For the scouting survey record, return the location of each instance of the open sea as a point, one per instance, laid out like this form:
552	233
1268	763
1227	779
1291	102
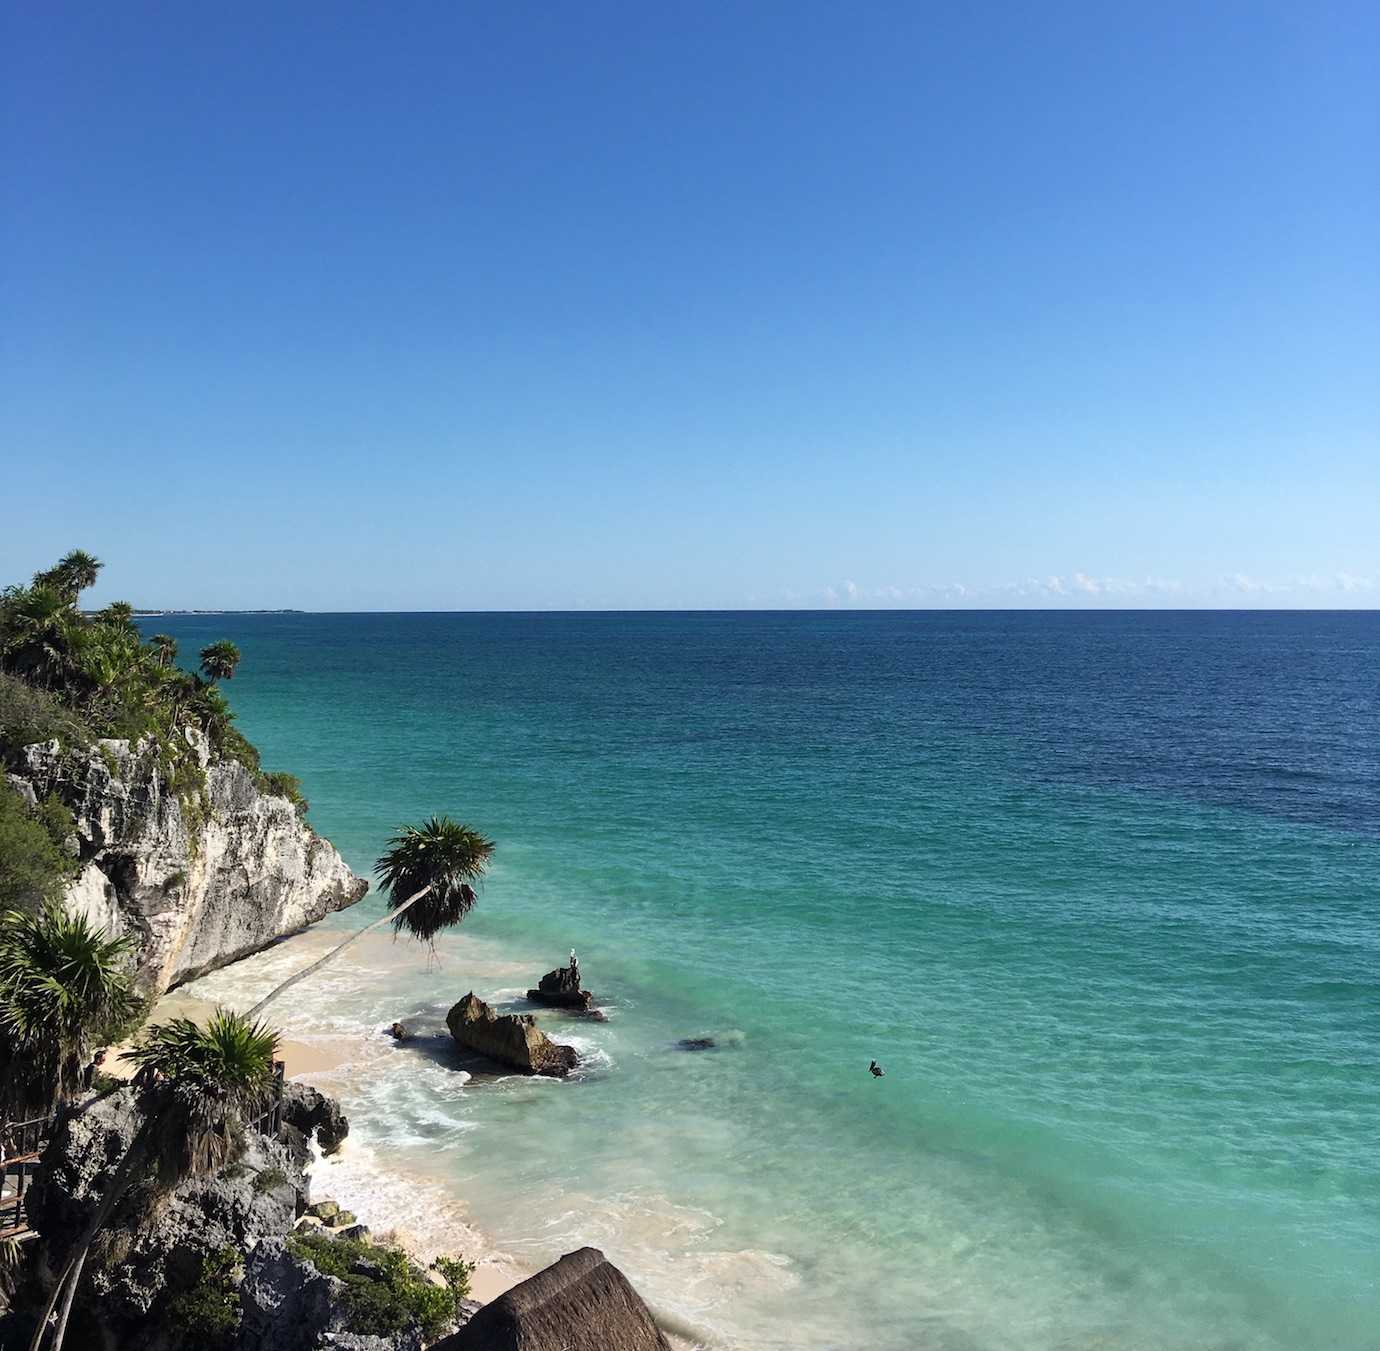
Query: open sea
1100	891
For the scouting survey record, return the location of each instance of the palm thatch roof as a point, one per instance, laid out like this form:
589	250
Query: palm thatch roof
581	1303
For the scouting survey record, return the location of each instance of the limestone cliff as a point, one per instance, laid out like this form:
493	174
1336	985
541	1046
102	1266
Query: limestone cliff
200	873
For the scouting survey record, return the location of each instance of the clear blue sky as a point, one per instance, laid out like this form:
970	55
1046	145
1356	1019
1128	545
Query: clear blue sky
463	305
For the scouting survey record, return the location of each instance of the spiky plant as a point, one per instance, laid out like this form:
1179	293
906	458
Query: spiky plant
442	858
62	982
203	1085
219	660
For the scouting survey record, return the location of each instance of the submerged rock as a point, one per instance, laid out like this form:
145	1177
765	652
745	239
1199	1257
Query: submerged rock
696	1044
198	875
510	1038
561	989
399	1032
581	1303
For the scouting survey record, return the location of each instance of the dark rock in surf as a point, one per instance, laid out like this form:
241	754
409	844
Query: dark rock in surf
511	1039
560	989
307	1109
581	1303
696	1044
399	1032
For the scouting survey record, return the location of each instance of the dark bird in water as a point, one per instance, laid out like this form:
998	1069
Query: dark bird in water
876	1070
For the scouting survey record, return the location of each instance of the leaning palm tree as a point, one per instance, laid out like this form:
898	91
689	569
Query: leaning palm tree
199	1088
164	648
429	871
219	660
62	981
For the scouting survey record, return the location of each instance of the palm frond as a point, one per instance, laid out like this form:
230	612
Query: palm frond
441	854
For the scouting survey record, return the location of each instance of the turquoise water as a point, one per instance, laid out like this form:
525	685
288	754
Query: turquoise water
1099	892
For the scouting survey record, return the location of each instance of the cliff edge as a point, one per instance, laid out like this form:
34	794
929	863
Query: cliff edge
201	872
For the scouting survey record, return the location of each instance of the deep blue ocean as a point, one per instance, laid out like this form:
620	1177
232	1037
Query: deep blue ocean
1100	891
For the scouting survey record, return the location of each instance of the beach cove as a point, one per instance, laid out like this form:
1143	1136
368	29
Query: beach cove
1092	888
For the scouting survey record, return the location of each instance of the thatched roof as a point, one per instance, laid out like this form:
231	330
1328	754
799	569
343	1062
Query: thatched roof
581	1303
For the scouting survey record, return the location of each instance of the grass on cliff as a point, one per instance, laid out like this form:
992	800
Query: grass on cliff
76	678
384	1293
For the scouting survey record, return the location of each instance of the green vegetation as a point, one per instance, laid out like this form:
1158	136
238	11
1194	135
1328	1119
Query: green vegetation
384	1293
428	871
206	1317
34	866
269	1179
205	1084
61	982
198	1089
441	858
77	678
288	786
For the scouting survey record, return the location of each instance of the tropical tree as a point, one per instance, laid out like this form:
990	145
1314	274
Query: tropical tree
119	614
72	574
429	872
219	660
207	1084
164	648
38	628
199	1088
62	981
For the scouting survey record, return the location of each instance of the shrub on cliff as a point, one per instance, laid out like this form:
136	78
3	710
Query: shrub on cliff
207	1316
384	1293
34	867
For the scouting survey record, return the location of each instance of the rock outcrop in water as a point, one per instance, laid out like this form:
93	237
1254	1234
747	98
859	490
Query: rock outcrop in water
200	877
581	1303
561	989
510	1038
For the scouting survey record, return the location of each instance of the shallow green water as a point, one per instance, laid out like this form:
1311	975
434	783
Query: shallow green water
1099	891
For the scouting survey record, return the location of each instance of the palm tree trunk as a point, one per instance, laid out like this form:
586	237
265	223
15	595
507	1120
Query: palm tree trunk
71	1274
335	951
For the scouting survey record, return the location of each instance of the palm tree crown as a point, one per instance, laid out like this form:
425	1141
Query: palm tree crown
61	982
205	1084
441	855
219	660
72	574
164	648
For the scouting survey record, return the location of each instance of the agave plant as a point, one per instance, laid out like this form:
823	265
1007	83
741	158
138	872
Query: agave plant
62	981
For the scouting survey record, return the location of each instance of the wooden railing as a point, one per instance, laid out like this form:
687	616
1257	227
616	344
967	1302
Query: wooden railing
22	1144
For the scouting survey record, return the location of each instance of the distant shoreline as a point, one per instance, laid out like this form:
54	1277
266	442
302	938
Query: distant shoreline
150	614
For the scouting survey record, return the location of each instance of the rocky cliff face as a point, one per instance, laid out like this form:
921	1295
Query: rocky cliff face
200	875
